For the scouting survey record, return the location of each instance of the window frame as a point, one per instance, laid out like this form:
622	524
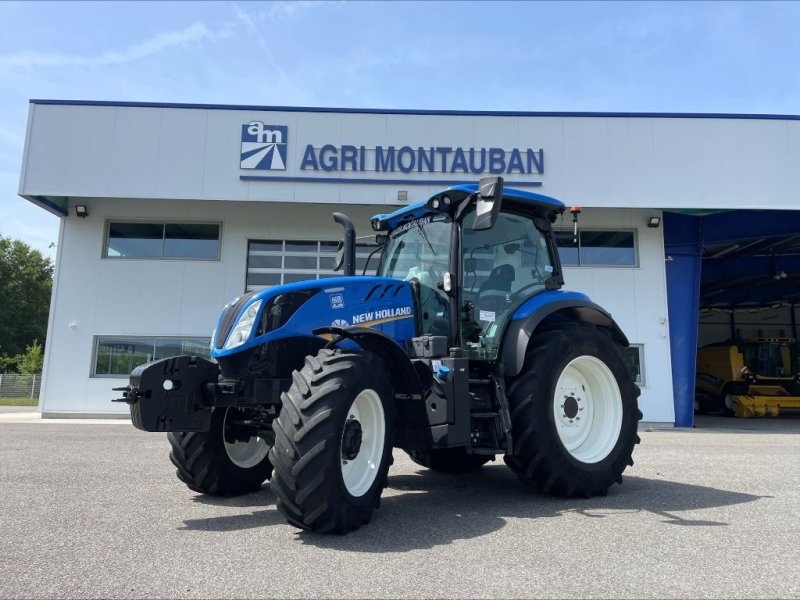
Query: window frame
163	222
96	346
580	265
642	383
363	250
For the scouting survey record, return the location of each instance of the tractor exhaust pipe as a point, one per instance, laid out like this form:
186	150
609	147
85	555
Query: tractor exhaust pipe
347	253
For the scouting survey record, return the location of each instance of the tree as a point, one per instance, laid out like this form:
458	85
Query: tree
33	359
26	280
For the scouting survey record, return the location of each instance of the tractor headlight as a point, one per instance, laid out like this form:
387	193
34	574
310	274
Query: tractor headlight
244	326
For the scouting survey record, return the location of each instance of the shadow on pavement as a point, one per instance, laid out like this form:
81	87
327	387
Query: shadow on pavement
787	422
456	507
263	499
464	507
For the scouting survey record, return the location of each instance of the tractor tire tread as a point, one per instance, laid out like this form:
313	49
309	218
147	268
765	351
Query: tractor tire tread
539	459
200	463
308	482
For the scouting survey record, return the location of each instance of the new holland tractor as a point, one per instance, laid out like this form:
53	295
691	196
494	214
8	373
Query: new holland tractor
462	348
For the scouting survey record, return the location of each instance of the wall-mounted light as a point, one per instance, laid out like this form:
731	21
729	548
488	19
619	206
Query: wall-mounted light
654	222
402	195
81	211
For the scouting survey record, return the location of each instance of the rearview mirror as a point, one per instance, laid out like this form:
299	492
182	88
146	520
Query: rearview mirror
490	197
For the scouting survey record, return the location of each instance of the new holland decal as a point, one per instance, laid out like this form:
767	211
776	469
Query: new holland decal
386	315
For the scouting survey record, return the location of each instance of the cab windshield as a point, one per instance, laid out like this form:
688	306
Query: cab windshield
420	251
772	359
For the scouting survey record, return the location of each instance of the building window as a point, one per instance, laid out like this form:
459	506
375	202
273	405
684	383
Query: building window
597	248
117	356
635	355
187	241
275	262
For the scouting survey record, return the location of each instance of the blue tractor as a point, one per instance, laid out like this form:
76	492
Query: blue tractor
462	348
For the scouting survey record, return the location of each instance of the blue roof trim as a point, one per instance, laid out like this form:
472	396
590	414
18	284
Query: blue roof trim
510	193
313	179
399	111
419	209
51	206
405	210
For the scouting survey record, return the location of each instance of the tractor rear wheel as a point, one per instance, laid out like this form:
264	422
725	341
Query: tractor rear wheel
212	463
449	460
574	412
333	441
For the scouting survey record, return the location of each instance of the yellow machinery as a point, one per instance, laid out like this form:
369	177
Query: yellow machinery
749	378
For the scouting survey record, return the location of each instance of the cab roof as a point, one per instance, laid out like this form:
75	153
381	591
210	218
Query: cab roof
459	192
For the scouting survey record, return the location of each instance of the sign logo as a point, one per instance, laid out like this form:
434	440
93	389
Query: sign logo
264	146
340	323
337	300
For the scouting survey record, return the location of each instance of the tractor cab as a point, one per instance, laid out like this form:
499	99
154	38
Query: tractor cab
472	270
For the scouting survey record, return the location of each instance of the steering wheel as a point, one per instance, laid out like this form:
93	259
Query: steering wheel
494	302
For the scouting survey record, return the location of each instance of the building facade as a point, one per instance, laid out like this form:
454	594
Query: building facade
170	211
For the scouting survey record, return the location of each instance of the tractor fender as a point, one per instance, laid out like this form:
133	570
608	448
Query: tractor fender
404	377
544	308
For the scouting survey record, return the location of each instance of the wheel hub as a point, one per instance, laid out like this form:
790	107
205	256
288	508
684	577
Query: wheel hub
351	439
570	407
587	409
244	447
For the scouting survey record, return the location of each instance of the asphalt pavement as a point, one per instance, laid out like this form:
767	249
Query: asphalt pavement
94	510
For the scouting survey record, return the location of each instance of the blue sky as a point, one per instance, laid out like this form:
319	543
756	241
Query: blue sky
628	56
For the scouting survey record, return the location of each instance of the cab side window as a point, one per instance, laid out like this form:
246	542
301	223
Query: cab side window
501	266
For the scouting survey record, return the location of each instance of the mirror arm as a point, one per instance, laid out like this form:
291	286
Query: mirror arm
459	214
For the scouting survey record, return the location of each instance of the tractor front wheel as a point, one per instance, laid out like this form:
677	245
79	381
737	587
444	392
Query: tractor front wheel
574	412
216	463
333	441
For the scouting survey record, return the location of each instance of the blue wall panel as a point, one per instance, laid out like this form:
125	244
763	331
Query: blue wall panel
682	247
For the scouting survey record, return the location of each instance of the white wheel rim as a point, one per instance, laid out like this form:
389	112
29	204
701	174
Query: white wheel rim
244	455
587	407
359	472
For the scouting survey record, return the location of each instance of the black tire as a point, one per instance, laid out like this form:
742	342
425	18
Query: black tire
310	447
203	464
540	458
449	460
703	403
724	409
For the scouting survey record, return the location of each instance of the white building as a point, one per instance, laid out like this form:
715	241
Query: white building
170	211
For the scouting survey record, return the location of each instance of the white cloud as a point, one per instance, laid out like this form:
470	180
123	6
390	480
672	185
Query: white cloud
245	18
277	11
163	41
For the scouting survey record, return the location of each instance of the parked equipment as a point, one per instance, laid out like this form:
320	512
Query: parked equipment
463	347
749	378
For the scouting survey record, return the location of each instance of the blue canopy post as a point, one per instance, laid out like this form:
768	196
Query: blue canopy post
683	236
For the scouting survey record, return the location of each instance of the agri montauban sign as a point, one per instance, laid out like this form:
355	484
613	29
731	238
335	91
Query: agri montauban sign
264	148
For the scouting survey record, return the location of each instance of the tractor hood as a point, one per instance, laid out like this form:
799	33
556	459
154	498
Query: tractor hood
297	309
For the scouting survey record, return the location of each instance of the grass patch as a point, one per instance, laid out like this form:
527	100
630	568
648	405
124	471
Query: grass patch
23	401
